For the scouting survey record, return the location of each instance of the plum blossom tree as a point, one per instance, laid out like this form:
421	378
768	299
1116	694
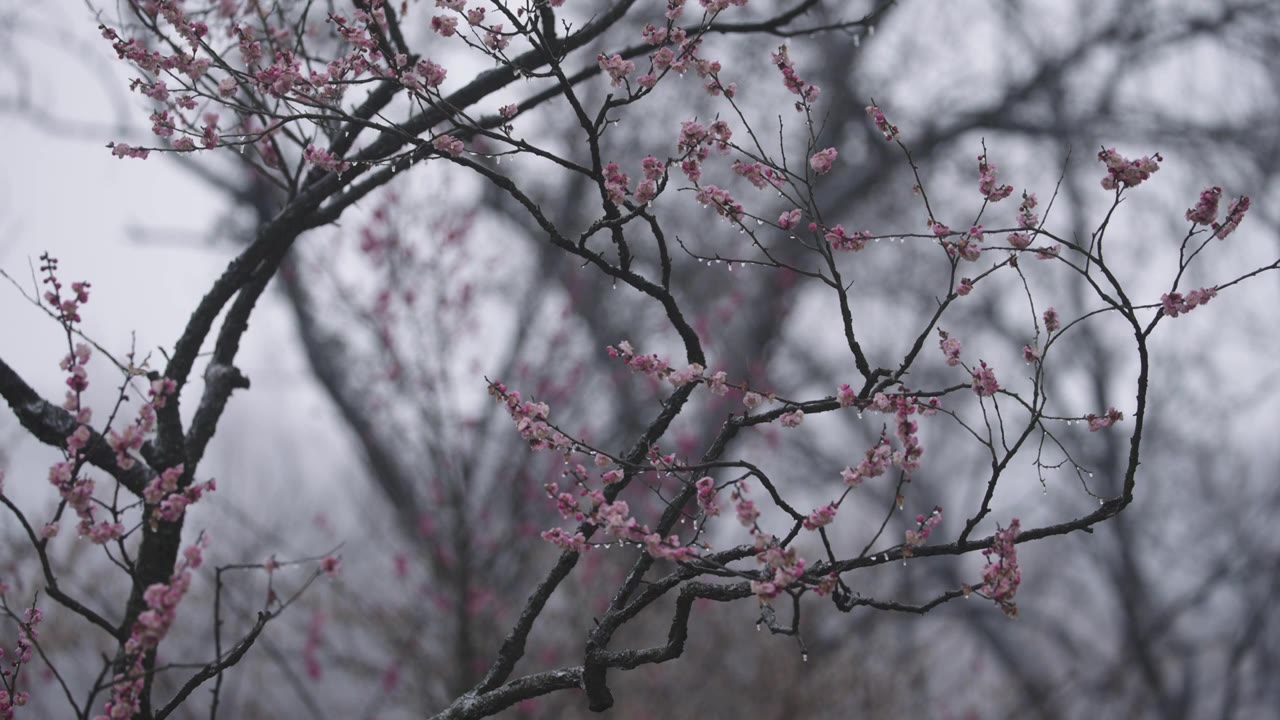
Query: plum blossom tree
330	105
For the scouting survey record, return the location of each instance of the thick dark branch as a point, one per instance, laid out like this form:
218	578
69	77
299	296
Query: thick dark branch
51	425
473	705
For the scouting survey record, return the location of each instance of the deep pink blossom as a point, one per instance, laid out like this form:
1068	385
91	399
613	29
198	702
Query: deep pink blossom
984	381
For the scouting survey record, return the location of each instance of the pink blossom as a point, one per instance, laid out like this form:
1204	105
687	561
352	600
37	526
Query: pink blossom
846	396
951	348
792	419
967	245
444	25
330	565
1030	353
431	74
822	160
1051	322
123	150
721	200
77	440
693	373
987	181
888	130
669	549
758	174
563	540
984	381
782	569
707	496
789	219
447	145
718	384
1048	253
1206	209
821	517
654	35
1124	173
840	240
752	400
1235	215
615	184
1027	218
917	536
325	160
616	67
873	464
530	419
646	191
1097	423
827	585
1001	576
1175	304
494	39
807	92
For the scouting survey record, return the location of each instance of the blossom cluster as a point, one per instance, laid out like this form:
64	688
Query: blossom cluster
915	537
987	181
1206	209
659	369
530	419
1097	423
1027	219
873	464
1001	576
616	520
758	174
887	129
695	142
168	500
808	92
984	380
10	696
842	240
1235	214
1175	304
951	348
1125	173
148	630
